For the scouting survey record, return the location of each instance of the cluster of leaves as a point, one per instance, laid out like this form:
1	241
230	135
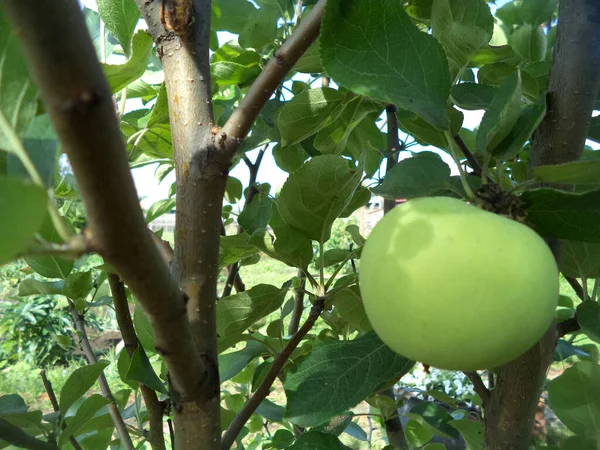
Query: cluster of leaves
329	141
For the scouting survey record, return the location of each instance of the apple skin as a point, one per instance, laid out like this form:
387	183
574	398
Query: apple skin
456	287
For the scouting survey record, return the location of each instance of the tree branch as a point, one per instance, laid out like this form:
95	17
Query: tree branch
298	304
88	351
155	408
469	156
479	387
263	390
393	146
240	122
79	102
55	406
181	32
234	272
19	438
577	287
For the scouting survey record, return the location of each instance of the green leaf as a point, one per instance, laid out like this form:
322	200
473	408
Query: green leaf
580	260
282	439
361	197
536	12
334	137
233	189
415	177
588	316
594	131
78	383
575	398
31	286
237	312
270	410
529	42
85	412
315	195
307	113
575	172
260	28
417	434
354	231
12	404
435	416
357	39
160	110
425	133
141	370
501	115
234	248
315	440
349	305
463	27
356	431
143	329
333	256
159	208
256	214
564	215
78	285
230	364
123	363
471	431
41	144
435	446
310	61
18	94
23	207
337	375
472	96
289	158
229	73
230	15
529	119
51	266
495	74
119	76
120	18
495	54
289	246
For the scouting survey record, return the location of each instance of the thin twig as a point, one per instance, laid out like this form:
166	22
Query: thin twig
477	169
233	276
393	146
577	287
84	342
479	387
263	390
153	405
55	406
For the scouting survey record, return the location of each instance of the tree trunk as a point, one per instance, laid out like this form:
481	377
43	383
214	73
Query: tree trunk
574	78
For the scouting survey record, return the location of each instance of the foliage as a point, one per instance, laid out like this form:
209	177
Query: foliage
436	62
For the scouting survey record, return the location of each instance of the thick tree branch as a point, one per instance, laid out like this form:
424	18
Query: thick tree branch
242	119
155	408
55	406
19	438
79	102
573	85
263	390
88	351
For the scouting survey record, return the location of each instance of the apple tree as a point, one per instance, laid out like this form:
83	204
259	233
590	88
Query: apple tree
326	89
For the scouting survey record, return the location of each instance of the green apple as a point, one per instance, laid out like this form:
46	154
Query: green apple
456	287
